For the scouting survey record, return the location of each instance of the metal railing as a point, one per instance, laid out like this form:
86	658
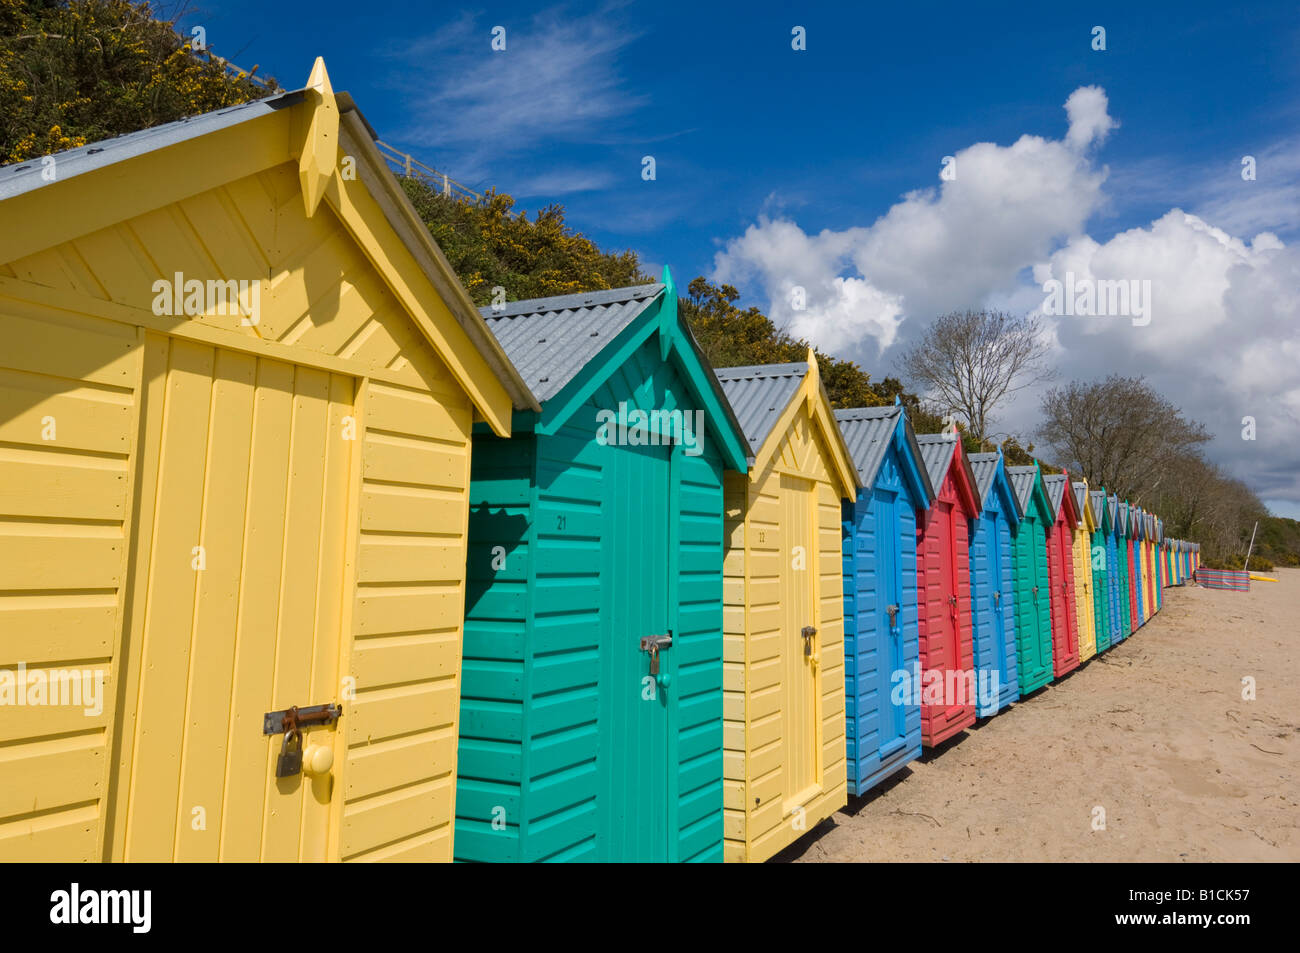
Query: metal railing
233	70
403	163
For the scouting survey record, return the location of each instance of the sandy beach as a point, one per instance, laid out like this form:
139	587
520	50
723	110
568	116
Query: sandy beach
1154	732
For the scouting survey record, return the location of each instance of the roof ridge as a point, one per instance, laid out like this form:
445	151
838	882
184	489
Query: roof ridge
760	370
573	301
866	413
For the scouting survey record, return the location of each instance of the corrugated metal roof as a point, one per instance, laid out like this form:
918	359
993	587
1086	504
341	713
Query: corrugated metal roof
1099	505
551	339
759	393
867	432
1081	501
1022	481
1123	520
985	468
936	451
26	176
1113	503
1054	484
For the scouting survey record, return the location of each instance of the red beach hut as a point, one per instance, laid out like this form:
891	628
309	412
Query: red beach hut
948	696
1060	565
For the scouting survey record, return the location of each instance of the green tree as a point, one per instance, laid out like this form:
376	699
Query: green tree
970	362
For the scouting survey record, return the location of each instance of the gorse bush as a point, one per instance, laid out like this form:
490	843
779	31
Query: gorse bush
491	245
73	73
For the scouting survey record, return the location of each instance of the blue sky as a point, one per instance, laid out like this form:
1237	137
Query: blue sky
820	168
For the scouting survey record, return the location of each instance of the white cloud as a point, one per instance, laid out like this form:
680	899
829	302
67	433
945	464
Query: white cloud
557	80
1224	337
840	312
563	182
1089	114
936	250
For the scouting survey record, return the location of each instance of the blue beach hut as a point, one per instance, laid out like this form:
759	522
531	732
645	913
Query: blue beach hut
992	584
882	651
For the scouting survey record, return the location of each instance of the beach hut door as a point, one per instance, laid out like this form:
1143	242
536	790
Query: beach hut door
946	529
996	557
1065	540
800	642
640	663
889	599
1043	598
237	612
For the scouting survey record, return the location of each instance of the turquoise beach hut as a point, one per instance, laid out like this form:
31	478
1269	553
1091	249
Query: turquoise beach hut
592	689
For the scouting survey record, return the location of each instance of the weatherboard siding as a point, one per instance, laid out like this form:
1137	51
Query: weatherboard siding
65	511
399	775
535	727
490	765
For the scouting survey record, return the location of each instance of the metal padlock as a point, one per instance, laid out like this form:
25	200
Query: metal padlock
290	761
653	644
807	633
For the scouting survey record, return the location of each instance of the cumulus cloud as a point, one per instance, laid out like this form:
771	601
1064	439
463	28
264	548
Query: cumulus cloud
1223	341
939	248
1088	110
792	265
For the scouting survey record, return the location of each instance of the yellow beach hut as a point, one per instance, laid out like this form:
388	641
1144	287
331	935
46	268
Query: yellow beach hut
1083	578
783	624
237	386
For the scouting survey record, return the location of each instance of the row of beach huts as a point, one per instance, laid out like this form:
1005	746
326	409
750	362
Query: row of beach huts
304	557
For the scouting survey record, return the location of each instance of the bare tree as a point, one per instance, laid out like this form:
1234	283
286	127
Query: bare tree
1119	433
970	361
